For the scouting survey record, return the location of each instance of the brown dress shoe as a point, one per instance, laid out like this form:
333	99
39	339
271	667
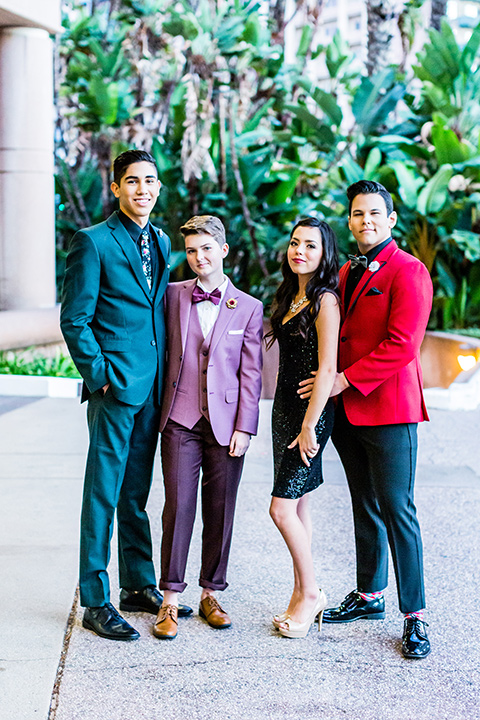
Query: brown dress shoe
211	611
165	627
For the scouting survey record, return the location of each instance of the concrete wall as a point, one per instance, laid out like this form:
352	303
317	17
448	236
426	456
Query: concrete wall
27	221
43	14
439	356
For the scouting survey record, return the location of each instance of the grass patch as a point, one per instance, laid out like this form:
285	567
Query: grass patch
30	362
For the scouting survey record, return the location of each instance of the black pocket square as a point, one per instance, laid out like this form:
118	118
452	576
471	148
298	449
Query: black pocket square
374	291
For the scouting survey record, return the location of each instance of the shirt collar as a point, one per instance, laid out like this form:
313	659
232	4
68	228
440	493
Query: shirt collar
131	227
222	287
372	254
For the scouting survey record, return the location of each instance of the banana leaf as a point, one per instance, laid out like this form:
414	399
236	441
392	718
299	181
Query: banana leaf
325	101
433	195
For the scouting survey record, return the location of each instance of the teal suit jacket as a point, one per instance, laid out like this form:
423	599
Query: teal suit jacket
113	324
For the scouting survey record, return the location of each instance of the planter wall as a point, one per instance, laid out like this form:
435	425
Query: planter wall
39	386
439	354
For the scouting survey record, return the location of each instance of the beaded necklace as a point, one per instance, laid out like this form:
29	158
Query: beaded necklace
294	306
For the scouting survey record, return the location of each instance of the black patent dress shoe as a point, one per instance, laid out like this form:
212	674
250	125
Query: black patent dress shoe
107	622
415	642
147	600
354	607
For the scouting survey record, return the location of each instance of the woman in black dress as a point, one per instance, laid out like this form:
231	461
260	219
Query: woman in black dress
305	321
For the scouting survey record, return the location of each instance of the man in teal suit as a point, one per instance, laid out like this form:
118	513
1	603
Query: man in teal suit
113	322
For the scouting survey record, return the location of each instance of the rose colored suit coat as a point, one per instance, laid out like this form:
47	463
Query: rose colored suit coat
380	338
234	363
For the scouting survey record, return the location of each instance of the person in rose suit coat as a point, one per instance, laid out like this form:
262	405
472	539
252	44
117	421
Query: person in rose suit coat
209	411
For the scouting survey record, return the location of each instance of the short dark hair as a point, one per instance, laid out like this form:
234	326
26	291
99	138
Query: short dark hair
209	224
121	162
369	187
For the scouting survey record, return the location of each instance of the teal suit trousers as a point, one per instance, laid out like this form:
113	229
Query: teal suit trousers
118	475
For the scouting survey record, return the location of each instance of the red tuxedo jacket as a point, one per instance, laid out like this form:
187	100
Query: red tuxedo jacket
380	338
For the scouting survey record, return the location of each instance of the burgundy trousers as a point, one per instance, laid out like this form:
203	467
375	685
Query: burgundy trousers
184	454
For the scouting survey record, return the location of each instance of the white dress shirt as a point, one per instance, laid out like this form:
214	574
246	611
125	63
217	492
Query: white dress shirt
207	310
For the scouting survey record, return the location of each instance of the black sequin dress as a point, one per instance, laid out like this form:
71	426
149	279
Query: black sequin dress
298	357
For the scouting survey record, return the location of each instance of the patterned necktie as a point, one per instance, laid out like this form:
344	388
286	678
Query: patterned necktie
357	260
146	257
199	295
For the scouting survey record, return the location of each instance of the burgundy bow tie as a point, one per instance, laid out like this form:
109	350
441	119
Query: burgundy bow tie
199	295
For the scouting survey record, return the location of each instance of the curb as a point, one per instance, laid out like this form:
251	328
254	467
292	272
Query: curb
465	396
40	386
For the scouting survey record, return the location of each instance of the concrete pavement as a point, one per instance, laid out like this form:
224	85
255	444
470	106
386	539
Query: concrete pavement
248	671
42	455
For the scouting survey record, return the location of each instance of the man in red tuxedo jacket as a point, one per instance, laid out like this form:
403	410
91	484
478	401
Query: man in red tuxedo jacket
386	297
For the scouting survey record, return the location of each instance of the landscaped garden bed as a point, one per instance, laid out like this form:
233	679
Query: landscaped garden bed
33	374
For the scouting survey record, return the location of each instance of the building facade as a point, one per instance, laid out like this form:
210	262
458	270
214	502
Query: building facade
349	18
27	209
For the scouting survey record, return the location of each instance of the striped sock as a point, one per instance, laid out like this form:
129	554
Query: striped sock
371	596
417	614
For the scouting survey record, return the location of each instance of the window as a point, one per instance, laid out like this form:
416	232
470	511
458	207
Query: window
354	23
330	29
470	10
452	9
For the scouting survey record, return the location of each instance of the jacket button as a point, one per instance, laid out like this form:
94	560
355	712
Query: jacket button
204	372
204	408
153	343
181	358
204	389
205	353
174	384
343	339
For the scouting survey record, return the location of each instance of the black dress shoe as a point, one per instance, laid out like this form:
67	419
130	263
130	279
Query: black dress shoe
354	607
147	600
107	622
415	643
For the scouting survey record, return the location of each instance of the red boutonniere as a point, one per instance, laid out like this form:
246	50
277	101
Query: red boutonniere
231	303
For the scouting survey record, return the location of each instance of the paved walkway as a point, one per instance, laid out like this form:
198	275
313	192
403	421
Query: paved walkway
248	671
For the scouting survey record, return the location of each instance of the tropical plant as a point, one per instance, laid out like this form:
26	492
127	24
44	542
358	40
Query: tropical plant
31	362
239	132
380	14
437	13
446	222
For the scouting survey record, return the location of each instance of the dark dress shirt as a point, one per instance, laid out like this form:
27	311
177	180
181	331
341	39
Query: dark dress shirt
354	277
135	232
355	274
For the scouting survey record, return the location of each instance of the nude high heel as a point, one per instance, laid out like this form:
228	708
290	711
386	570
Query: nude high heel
300	630
278	619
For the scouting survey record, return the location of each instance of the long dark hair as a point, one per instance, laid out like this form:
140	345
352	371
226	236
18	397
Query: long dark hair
324	280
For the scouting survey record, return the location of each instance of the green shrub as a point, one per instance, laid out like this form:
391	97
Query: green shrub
29	362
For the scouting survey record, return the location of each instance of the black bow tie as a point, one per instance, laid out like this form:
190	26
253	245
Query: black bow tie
357	260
